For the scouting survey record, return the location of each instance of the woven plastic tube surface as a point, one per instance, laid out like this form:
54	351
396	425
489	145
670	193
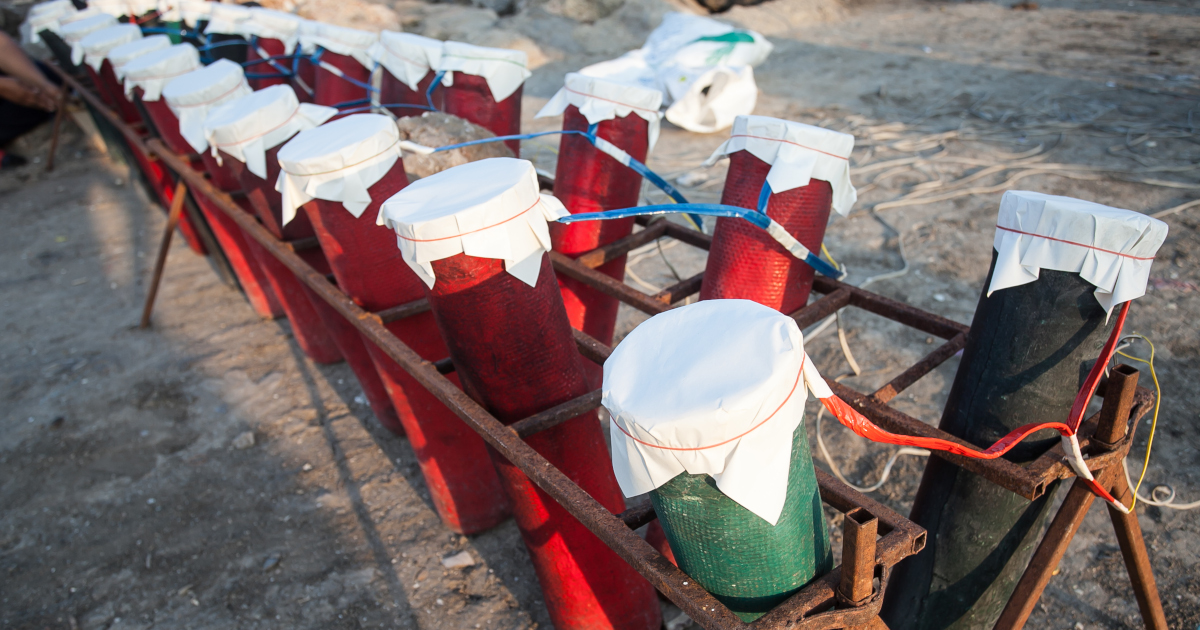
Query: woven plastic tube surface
273	48
470	98
366	262
233	243
514	353
744	261
588	180
307	325
1026	354
166	124
331	89
306	72
745	562
393	90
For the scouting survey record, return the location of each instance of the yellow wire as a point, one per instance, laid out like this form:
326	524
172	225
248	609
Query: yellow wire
1154	421
825	250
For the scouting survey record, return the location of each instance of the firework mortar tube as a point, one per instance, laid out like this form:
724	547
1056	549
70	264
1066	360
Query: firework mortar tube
808	171
189	99
589	180
145	78
725	459
409	62
342	73
476	235
273	37
462	483
95	46
484	86
1060	268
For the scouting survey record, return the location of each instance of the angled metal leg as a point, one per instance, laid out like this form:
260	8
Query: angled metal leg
161	260
1137	561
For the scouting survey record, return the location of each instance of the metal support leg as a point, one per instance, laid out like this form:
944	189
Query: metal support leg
1137	561
161	260
58	116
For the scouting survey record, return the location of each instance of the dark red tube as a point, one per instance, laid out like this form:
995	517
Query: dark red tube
588	180
470	98
394	91
514	353
307	324
157	176
744	261
232	240
331	90
273	48
368	266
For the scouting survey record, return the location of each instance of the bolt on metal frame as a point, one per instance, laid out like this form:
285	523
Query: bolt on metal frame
875	537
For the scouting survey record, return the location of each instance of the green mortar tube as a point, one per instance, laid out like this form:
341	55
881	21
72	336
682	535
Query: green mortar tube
745	562
1027	354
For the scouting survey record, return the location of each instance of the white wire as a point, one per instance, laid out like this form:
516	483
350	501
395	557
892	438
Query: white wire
1168	502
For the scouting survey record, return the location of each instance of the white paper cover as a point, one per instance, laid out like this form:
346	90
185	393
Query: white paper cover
600	99
492	208
153	72
96	46
250	126
350	42
713	388
74	32
407	56
188	11
120	56
194	94
1109	247
122	8
272	24
504	70
796	153
227	19
338	161
42	17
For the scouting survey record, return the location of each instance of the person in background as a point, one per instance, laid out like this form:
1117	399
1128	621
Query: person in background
29	94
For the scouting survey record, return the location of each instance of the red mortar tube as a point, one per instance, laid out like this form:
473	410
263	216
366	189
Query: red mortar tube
588	180
161	180
744	261
514	353
273	48
470	98
331	89
395	91
307	325
368	266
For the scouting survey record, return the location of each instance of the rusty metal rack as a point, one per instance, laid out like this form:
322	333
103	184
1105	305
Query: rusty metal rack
875	537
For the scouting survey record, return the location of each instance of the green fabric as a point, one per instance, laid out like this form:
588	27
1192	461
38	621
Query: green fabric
730	40
175	27
745	562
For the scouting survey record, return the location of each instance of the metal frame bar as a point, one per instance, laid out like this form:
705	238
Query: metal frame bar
823	604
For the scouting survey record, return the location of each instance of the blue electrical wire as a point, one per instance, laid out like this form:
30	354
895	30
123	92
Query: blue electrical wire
437	80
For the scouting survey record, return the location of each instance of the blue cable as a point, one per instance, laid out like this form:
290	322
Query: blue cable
437	80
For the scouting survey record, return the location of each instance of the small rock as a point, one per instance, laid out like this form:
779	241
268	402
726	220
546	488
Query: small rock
939	297
244	441
306	467
58	422
458	560
271	562
439	130
680	622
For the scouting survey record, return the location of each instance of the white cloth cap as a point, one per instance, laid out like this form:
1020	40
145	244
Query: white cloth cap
796	153
96	46
337	161
252	125
153	72
600	99
190	12
272	24
1109	247
715	388
504	70
74	32
491	208
227	19
194	94
42	17
407	56
120	56
350	42
122	8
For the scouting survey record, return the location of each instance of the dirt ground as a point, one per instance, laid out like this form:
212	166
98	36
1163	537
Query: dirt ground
126	503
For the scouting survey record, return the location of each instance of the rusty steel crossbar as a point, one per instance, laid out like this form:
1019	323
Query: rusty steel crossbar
815	607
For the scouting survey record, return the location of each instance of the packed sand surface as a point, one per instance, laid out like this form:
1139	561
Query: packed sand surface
204	474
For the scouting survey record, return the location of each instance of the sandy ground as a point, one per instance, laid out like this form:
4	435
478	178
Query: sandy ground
127	505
